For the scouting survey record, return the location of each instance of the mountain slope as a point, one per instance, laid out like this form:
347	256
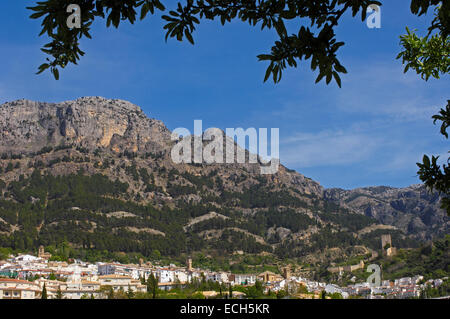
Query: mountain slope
96	174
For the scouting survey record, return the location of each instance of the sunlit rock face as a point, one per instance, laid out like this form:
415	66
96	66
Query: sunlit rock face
90	122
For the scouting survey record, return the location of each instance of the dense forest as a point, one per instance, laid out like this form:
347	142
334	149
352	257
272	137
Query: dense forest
78	210
75	209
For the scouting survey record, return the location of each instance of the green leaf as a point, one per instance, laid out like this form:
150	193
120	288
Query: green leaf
337	78
268	71
55	73
319	77
188	36
426	161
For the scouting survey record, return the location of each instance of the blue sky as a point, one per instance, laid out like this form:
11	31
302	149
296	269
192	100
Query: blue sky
372	131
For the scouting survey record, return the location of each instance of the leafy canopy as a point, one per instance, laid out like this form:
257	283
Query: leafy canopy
315	39
430	171
429	56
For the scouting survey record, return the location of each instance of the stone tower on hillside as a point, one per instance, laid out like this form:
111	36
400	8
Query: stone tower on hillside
42	254
386	240
386	246
287	272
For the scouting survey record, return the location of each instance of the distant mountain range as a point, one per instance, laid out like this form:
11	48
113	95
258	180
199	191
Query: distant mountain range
97	175
413	209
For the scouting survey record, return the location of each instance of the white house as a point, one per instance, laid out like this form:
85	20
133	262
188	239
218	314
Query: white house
165	275
18	289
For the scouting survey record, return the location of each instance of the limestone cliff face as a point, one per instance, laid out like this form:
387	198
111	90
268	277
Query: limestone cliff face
90	122
114	126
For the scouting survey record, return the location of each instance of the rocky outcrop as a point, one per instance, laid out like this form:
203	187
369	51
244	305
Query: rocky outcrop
89	122
111	125
412	209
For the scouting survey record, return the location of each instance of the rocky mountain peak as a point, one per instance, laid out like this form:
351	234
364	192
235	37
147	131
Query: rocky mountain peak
90	122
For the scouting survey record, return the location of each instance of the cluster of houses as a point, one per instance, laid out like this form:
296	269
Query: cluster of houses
24	277
408	287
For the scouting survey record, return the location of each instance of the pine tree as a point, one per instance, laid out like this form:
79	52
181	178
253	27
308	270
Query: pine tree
44	293
152	285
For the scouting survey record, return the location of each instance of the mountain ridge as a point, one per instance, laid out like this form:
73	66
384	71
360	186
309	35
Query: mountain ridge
75	144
